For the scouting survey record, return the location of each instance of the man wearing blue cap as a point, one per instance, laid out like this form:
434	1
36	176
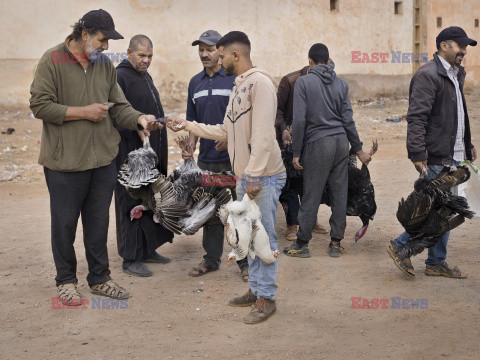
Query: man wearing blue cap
438	133
208	95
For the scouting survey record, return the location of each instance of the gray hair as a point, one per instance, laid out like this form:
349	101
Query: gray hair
138	40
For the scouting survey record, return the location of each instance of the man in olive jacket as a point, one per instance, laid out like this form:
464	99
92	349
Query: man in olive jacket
72	84
438	133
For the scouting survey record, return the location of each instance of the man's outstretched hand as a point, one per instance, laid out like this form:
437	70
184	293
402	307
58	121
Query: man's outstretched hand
176	124
149	123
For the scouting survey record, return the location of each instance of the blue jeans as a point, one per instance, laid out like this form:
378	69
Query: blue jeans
262	276
438	252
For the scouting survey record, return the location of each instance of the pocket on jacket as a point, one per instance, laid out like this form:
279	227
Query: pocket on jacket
59	147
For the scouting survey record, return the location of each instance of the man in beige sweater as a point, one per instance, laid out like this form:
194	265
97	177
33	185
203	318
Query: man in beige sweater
255	156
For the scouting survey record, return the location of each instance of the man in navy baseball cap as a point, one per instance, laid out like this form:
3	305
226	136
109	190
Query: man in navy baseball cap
456	34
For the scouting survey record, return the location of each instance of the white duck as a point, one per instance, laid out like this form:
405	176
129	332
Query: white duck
244	231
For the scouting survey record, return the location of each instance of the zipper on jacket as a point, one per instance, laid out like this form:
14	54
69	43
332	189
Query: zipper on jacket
158	109
93	123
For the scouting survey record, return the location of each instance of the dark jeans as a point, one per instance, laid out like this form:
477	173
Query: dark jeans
291	205
88	193
213	231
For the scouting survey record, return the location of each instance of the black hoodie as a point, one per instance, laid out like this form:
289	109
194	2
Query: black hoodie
321	107
143	95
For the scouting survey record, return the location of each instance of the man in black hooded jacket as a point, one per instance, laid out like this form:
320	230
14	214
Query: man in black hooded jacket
137	240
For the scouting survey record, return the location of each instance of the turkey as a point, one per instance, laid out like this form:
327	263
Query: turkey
294	176
431	209
361	194
139	168
182	202
244	231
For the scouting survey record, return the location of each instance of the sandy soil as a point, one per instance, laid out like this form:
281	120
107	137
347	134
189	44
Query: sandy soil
174	316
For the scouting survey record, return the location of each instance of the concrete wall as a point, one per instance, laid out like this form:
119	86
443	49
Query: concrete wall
457	13
281	33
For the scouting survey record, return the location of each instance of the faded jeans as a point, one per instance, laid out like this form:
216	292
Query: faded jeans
263	276
438	252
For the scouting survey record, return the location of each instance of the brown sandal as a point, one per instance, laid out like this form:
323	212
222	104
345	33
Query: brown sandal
444	270
110	289
405	265
201	269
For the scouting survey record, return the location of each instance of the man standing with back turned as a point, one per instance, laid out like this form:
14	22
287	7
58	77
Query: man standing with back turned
322	112
289	198
72	85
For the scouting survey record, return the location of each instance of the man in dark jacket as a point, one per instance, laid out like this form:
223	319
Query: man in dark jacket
438	132
283	123
322	112
137	240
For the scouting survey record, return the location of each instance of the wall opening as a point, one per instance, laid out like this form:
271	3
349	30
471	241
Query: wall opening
333	5
439	22
398	7
476	22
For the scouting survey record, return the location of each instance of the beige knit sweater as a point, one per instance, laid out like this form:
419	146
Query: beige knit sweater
248	126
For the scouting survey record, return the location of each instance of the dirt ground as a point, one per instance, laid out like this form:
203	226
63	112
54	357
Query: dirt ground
174	316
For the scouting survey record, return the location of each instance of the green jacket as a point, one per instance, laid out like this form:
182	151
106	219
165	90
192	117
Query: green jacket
60	81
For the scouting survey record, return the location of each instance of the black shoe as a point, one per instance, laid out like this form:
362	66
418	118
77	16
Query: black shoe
157	258
138	269
295	251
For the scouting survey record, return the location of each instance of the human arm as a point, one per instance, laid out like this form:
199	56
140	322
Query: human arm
422	98
44	97
283	94
351	130
299	117
212	132
262	137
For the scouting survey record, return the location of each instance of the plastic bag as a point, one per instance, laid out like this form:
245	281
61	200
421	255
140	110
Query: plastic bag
471	189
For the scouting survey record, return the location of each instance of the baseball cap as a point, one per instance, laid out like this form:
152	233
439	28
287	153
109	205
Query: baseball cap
209	37
101	20
456	34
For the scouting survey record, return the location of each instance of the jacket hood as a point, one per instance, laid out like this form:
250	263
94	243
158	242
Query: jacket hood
241	78
324	72
125	64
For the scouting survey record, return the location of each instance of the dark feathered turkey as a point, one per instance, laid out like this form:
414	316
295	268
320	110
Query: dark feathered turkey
361	194
139	168
294	177
431	209
184	201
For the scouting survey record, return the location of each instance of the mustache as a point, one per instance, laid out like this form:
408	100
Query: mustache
205	59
